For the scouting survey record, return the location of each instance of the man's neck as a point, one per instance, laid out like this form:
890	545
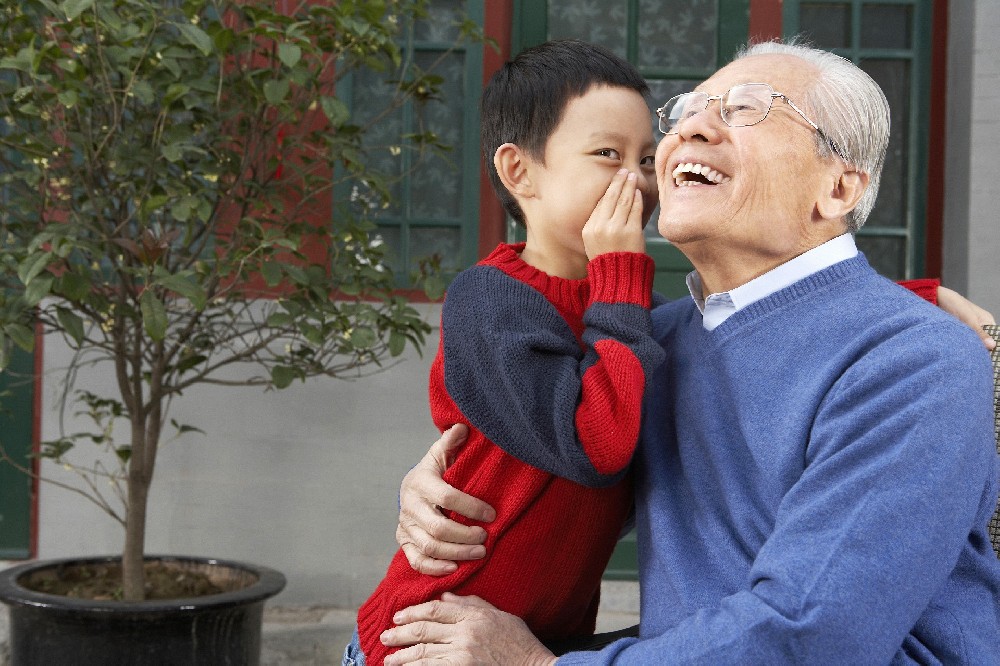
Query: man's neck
724	268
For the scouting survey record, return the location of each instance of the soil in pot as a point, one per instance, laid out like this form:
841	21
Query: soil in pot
102	581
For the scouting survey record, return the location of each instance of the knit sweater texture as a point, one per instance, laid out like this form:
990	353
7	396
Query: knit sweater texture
813	484
549	375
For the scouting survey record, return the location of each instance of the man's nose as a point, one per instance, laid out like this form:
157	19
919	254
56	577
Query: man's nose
705	125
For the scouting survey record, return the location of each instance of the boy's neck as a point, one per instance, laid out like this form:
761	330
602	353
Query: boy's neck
554	263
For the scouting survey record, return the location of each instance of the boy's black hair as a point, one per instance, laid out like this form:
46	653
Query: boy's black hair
524	100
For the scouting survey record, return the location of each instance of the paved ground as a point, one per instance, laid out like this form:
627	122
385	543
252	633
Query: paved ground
314	636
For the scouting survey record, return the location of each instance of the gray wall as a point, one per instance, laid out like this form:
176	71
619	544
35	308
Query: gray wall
972	192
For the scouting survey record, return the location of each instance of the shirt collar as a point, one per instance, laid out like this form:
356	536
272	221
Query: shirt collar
718	307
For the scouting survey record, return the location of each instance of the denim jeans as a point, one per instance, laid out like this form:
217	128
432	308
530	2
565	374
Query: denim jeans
353	656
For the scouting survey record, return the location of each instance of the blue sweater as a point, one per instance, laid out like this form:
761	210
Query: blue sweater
813	484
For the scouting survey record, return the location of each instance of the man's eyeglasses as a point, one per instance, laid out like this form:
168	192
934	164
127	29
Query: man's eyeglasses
743	105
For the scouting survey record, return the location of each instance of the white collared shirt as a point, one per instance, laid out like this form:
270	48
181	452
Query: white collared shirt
717	308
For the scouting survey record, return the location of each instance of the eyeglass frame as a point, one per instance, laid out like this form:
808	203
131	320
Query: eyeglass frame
711	98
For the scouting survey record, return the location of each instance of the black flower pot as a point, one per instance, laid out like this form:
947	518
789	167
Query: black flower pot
214	630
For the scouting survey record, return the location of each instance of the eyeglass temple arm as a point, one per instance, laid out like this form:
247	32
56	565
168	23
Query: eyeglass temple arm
822	134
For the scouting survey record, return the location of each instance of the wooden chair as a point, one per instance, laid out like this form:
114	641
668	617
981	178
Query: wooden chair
994	526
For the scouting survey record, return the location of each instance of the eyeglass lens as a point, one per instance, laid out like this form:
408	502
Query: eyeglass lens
741	106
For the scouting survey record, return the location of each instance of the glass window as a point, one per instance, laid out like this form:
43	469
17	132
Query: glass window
433	190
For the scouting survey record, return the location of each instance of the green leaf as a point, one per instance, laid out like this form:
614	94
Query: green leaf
196	36
271	271
32	265
143	92
335	110
174	152
363	337
68	98
22	336
290	54
73	8
71	323
434	287
397	343
73	286
280	320
282	376
186	285
154	315
39	288
184	428
276	90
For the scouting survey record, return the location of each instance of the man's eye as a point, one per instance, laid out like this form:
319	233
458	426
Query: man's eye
610	153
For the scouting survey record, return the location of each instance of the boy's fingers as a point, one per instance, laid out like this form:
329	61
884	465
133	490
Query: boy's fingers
626	198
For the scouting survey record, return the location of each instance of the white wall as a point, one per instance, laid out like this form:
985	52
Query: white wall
304	480
971	229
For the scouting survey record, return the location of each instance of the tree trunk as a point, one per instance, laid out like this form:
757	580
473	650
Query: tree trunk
133	575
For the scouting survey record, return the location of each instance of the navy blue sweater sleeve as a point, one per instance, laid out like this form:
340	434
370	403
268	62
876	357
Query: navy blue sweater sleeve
516	371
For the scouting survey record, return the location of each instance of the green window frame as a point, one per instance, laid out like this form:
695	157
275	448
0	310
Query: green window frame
891	40
435	209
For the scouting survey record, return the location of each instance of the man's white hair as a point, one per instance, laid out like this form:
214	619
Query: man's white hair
849	107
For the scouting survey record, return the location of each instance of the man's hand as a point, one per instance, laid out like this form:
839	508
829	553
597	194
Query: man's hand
462	630
430	541
967	312
616	223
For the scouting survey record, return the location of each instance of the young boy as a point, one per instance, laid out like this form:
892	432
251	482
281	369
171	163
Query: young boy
545	346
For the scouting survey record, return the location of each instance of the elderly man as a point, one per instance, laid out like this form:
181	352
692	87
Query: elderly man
817	465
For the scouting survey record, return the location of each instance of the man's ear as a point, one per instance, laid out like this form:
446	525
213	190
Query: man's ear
843	195
512	166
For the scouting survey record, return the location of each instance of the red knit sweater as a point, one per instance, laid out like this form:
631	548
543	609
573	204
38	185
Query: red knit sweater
552	538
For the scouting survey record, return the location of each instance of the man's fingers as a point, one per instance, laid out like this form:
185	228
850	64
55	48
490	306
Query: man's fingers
468	600
452	499
421	562
416	655
444	449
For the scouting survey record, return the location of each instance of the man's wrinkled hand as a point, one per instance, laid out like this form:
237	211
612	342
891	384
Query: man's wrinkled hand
432	542
967	312
462	630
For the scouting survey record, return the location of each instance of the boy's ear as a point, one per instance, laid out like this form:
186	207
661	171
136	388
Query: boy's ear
512	166
843	195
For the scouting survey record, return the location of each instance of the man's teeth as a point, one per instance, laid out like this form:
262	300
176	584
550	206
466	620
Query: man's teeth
706	172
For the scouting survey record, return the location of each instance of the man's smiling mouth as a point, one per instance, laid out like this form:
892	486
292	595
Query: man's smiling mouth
692	173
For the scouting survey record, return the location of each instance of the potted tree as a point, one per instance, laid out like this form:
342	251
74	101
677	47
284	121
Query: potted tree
158	161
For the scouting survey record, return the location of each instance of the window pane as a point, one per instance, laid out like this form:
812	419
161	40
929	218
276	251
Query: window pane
886	26
894	78
436	180
445	242
381	141
886	254
678	33
827	26
442	22
597	21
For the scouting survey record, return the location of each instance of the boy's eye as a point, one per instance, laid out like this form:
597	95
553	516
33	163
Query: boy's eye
648	160
609	152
